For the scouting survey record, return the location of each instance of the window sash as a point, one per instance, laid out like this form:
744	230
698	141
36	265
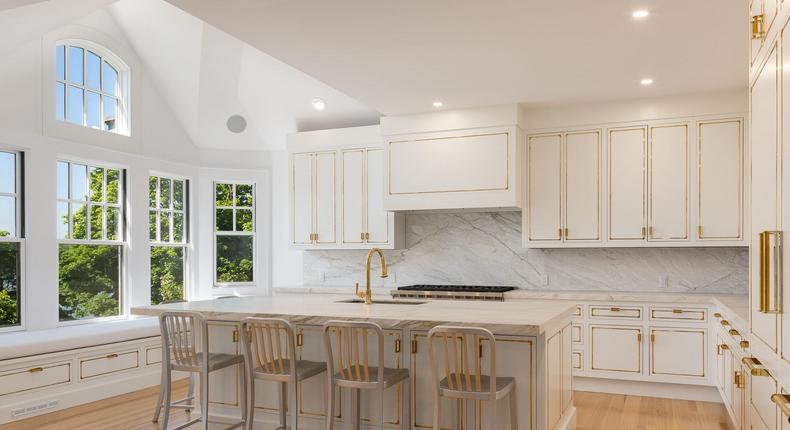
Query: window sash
171	210
90	204
17	196
20	299
121	283
233	233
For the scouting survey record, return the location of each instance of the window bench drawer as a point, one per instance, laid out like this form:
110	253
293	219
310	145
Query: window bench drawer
19	380
678	314
109	363
634	313
153	355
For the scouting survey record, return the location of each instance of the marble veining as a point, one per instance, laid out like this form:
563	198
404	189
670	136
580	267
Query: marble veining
485	248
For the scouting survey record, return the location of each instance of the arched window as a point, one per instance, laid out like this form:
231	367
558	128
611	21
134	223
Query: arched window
91	87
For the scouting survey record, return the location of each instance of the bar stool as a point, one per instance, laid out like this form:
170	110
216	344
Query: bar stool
353	370
270	356
458	382
185	349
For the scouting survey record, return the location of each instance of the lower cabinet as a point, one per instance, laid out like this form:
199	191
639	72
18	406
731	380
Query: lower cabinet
223	384
616	348
677	352
765	412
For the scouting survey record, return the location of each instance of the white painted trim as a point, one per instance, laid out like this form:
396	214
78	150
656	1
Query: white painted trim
647	389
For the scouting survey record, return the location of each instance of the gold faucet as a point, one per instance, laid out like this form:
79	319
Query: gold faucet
368	294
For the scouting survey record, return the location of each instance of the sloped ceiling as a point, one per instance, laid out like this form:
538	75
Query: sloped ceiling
399	56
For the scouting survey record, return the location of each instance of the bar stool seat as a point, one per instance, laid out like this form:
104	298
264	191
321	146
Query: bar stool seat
503	387
304	369
216	361
391	377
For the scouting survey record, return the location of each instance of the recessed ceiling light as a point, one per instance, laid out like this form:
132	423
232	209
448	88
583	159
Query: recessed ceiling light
646	81
438	104
640	14
319	104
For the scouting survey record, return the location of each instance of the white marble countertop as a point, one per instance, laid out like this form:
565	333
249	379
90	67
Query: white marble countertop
523	317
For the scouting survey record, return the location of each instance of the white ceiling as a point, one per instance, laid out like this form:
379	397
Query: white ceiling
398	57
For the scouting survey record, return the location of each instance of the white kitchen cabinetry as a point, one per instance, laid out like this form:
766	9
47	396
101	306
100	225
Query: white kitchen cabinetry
337	192
465	169
616	348
563	188
677	352
626	184
719	180
668	183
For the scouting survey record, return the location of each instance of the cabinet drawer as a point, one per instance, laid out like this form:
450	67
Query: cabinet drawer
633	313
576	333
678	314
576	359
762	388
18	380
109	363
153	355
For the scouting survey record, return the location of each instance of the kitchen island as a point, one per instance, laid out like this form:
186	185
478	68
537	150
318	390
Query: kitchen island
533	345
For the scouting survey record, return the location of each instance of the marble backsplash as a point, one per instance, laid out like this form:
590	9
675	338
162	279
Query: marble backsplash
485	249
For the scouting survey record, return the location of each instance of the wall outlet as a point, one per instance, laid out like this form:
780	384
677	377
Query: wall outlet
663	281
544	279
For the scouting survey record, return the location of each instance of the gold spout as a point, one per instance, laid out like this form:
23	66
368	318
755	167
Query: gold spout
368	294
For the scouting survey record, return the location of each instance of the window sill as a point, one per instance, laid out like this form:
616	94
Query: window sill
26	343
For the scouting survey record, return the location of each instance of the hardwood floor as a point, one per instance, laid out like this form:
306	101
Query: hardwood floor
595	412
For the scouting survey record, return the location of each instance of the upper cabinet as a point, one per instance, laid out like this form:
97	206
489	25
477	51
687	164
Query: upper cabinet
453	160
336	189
652	194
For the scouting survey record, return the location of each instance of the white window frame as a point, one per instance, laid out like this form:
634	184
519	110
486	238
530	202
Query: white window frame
185	244
122	231
123	85
253	233
19	236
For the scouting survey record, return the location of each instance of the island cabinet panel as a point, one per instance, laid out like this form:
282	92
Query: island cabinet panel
554	386
224	383
668	188
423	387
393	397
545	184
677	352
626	155
764	201
720	180
616	348
567	367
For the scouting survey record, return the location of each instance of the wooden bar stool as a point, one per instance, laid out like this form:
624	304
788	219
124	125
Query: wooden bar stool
271	356
185	349
458	382
348	367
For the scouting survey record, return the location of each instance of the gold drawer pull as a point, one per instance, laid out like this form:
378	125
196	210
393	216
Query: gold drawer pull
644	232
755	367
397	345
677	311
299	339
725	323
614	309
733	332
757	26
36	370
744	344
113	355
782	401
235	335
739	380
720	348
717	315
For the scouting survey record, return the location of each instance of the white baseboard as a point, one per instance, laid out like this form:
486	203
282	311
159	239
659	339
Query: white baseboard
648	389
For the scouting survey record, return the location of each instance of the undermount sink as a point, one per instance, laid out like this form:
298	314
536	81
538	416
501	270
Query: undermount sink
383	302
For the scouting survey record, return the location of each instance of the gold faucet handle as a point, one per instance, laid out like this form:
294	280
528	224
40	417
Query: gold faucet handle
357	293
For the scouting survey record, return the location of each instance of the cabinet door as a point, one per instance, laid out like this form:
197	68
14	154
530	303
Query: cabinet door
668	164
616	348
677	352
353	196
325	209
392	396
728	358
764	183
522	369
567	367
719	363
224	383
719	172
423	388
545	184
738	392
554	379
785	209
312	391
627	184
302	195
378	220
582	186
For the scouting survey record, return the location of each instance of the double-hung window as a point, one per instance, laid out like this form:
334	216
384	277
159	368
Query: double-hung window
234	233
168	205
90	219
11	239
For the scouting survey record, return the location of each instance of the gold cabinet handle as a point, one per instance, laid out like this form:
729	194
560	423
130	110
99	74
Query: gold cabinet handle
397	345
560	232
739	380
362	236
566	232
111	356
651	232
36	370
744	344
644	232
770	270
677	311
721	347
725	323
235	335
615	309
413	346
782	401
757	26
717	315
639	337
367	236
733	332
755	367
699	231
652	338
299	339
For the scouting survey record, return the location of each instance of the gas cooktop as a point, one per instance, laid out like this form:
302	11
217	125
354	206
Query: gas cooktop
458	288
455	292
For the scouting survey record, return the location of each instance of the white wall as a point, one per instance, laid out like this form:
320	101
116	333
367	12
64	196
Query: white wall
157	145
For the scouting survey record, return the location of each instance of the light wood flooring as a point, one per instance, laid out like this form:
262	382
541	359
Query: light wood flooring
594	412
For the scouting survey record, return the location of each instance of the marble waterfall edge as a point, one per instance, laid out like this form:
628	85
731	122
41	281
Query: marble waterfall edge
485	249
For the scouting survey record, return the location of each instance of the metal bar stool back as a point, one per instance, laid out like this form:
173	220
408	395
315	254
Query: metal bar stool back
461	374
270	354
351	362
185	348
